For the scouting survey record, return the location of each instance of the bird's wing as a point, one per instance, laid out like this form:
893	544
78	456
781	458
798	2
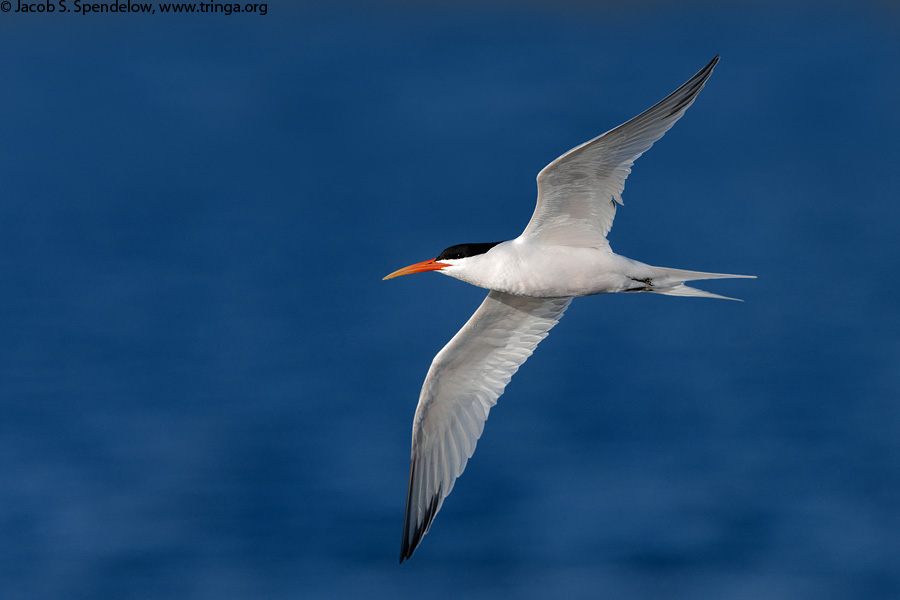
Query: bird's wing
577	192
464	381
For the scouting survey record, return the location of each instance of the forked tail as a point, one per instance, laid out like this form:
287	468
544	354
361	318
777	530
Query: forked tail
671	282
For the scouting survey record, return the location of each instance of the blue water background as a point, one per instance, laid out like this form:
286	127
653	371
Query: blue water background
206	390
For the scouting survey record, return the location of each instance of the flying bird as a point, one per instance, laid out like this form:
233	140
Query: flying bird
563	253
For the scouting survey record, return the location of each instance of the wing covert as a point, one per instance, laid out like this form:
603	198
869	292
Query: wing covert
465	380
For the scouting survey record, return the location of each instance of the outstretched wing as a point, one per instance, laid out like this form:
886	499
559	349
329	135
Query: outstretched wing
577	192
464	381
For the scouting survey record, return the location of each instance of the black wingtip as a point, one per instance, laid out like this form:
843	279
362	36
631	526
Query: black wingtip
689	89
405	550
410	542
413	534
705	71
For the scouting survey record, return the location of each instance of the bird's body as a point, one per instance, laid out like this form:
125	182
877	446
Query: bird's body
563	253
523	268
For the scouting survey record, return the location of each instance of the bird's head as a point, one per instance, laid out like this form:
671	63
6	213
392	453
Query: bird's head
452	261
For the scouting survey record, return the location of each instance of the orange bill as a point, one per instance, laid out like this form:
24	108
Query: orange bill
428	265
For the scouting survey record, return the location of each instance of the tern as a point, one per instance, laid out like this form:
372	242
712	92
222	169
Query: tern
562	254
